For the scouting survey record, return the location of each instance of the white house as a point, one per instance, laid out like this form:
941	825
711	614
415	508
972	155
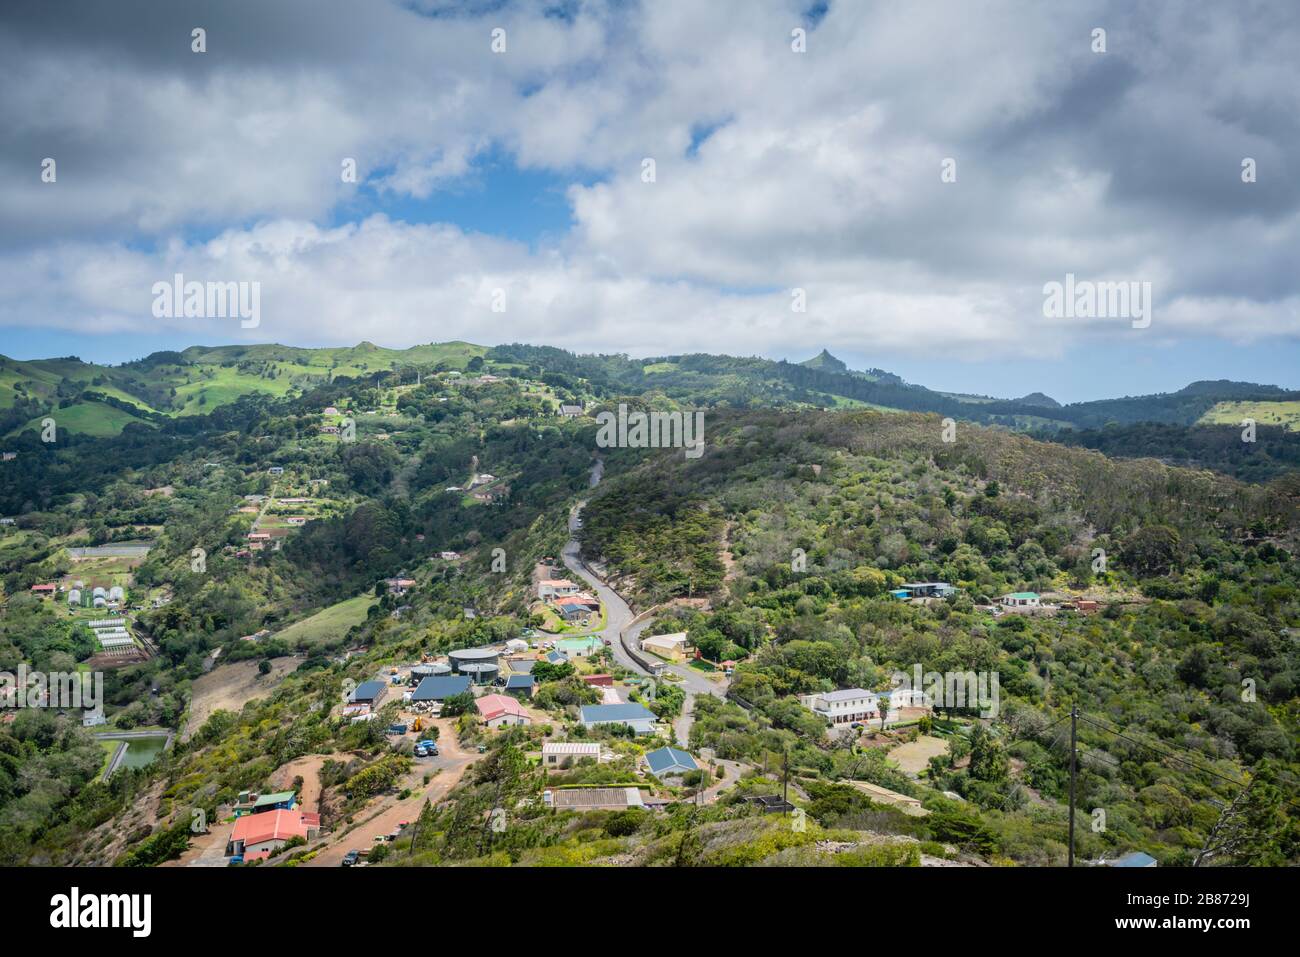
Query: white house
672	647
549	588
555	754
1020	599
850	705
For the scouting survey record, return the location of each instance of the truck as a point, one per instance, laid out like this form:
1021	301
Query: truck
396	729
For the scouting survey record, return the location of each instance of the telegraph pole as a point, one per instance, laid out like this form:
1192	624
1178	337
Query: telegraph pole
1074	752
785	785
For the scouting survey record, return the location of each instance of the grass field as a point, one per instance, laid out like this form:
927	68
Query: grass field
209	377
86	418
329	624
1264	413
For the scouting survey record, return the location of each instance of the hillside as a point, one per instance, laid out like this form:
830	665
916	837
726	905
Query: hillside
779	549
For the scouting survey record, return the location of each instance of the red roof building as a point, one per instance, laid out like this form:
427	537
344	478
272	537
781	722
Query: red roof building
256	835
499	709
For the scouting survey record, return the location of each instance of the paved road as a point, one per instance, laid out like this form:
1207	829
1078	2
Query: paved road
619	615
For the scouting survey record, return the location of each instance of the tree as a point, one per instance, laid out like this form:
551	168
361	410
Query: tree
458	704
884	710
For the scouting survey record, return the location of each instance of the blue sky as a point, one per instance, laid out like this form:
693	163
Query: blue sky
665	178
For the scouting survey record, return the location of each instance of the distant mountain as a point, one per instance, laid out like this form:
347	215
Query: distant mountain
103	400
826	362
1040	400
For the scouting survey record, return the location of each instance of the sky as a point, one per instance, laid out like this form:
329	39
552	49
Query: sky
899	183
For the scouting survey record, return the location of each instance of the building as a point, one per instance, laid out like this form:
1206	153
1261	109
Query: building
45	591
256	835
563	754
636	716
449	556
1020	599
670	647
366	698
399	586
851	705
929	590
438	688
1135	859
669	762
599	681
592	799
570	411
275	470
250	802
845	706
549	588
501	710
520	686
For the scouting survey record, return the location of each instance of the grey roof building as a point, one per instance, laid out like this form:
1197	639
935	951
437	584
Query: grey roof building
440	687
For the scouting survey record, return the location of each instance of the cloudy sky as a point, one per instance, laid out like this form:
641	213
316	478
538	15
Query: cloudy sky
518	178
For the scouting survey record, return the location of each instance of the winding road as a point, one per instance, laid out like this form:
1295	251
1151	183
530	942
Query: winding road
618	617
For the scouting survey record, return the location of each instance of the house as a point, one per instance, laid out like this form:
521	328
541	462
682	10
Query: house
253	803
671	647
556	587
573	612
275	470
7	521
599	681
843	707
8	456
640	719
365	699
399	586
44	591
1020	599
669	762
449	556
330	411
562	754
438	688
592	799
1135	859
929	590
570	411
499	710
520	685
296	520
557	658
256	835
259	536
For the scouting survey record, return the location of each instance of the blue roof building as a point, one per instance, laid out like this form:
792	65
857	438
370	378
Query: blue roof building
666	762
638	717
520	684
1136	859
368	692
440	687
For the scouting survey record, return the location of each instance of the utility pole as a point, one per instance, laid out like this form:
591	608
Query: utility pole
785	785
1074	753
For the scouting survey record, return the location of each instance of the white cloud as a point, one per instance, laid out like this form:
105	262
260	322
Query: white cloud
821	171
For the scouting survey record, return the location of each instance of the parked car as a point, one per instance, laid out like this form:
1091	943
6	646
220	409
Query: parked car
351	857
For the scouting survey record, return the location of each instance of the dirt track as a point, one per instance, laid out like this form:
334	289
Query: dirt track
382	816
